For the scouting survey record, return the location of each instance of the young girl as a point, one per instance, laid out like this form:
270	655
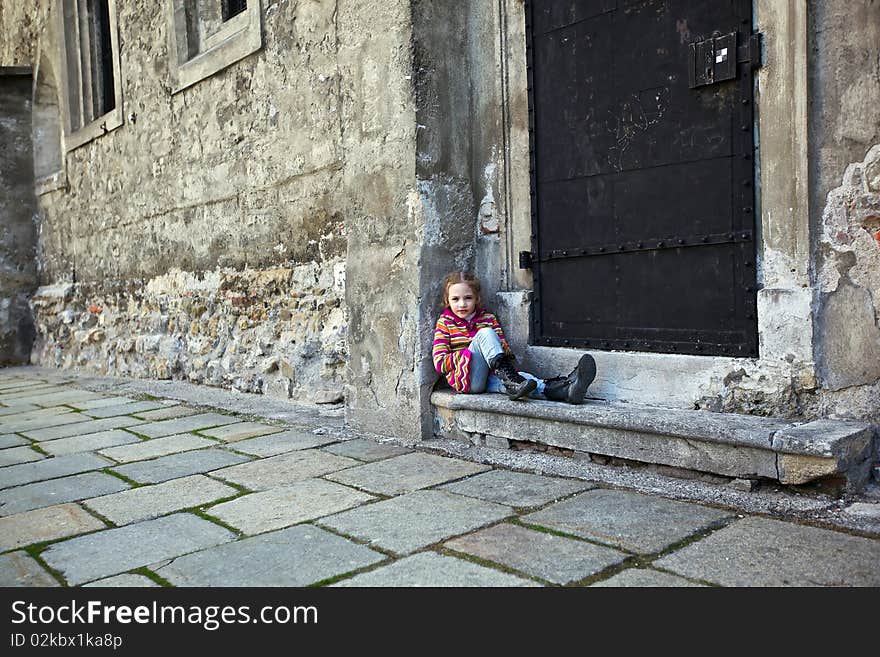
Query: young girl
471	352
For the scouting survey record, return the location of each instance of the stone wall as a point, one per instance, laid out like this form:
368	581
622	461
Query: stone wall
207	237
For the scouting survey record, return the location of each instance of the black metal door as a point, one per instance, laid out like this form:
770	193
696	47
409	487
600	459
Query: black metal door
642	175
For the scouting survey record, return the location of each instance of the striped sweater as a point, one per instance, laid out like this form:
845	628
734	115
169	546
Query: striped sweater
452	337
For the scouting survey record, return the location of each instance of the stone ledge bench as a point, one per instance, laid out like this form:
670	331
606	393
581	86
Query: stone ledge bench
732	445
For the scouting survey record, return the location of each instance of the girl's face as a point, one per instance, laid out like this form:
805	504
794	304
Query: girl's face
462	300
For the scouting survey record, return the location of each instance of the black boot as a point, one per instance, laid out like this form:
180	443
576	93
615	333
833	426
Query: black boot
573	387
516	386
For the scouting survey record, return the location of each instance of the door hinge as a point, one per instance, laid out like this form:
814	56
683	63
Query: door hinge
715	60
525	260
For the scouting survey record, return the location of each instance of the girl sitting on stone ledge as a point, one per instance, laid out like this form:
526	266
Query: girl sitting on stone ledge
471	352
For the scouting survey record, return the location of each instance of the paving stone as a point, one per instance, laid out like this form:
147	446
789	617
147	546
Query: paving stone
167	413
58	491
518	489
407	523
20	408
433	570
68	396
185	424
287	505
9	386
59	466
114	551
15	455
279	443
11	440
81	428
298	556
179	465
21	569
46	524
19	412
54	418
406	473
645	577
102	402
125	580
148	449
366	450
552	558
765	552
146	502
239	431
635	522
123	409
25	396
89	442
284	469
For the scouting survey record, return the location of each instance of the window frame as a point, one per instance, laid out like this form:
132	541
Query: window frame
76	137
238	37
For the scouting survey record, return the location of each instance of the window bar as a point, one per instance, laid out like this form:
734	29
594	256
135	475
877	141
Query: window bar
85	65
72	51
105	96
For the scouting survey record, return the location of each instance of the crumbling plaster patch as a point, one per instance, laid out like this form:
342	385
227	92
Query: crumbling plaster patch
848	279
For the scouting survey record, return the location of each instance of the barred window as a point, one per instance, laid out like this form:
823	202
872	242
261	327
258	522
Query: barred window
206	36
90	56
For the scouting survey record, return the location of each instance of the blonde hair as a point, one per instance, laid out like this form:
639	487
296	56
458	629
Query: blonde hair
462	277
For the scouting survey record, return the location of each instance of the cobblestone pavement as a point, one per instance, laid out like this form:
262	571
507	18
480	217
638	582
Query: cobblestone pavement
101	485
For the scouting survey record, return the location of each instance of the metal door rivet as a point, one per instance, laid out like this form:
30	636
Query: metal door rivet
659	243
639	245
747	210
601	248
704	239
744	128
745	236
681	241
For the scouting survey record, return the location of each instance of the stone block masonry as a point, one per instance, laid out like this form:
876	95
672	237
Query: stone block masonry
270	331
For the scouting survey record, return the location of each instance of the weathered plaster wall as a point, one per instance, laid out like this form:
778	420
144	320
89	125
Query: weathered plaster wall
18	275
845	139
207	237
384	219
19	24
848	293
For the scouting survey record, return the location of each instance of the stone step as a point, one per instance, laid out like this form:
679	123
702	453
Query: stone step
738	446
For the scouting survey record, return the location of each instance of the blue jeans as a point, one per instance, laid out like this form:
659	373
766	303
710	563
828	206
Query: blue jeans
484	346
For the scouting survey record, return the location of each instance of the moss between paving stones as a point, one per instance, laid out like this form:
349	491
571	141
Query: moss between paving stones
198	511
131	482
481	561
149	574
35	550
